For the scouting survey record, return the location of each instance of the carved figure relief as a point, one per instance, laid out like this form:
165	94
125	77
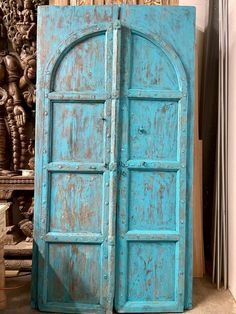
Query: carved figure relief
17	83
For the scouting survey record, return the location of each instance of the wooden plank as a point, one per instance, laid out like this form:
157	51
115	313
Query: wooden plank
198	244
11	273
13	264
59	2
21	249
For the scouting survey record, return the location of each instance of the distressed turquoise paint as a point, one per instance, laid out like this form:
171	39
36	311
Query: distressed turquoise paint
156	137
75	147
114	131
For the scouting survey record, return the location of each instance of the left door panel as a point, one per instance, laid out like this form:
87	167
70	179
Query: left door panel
74	262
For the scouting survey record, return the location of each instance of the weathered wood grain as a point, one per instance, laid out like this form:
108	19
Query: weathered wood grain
198	242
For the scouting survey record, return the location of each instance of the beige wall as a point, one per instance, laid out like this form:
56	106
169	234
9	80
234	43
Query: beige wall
201	10
232	147
198	245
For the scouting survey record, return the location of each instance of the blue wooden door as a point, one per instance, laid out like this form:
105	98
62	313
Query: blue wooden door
155	142
114	159
76	156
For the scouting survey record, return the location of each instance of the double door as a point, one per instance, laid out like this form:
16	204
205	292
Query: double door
114	159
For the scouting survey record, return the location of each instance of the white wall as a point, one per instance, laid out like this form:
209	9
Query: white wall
232	147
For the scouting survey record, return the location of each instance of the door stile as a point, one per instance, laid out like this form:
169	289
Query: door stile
115	101
123	191
46	152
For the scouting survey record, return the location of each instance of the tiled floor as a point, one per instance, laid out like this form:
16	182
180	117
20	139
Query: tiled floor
206	299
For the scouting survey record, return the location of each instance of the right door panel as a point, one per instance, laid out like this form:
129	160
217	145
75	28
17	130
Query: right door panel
152	176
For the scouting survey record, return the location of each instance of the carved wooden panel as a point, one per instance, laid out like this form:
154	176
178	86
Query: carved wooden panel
17	83
18	21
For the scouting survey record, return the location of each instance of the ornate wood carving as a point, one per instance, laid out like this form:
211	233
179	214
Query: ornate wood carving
18	20
17	83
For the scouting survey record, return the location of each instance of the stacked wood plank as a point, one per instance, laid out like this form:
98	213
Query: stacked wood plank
18	256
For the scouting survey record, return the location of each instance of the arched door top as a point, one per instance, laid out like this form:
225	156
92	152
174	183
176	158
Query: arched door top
79	53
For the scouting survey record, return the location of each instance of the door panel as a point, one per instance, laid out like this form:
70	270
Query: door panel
76	130
153	129
84	266
158	74
89	73
152	200
148	279
82	193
